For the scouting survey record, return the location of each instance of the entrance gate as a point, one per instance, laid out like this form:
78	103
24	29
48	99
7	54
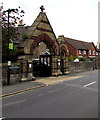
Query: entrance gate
48	65
45	65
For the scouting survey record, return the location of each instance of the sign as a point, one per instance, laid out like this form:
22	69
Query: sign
9	63
30	65
11	46
14	70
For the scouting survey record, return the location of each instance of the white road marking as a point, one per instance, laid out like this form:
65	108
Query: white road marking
89	84
14	103
2	118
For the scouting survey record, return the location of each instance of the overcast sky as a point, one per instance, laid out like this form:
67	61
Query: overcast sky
77	19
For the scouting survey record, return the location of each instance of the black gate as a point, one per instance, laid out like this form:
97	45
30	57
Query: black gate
45	65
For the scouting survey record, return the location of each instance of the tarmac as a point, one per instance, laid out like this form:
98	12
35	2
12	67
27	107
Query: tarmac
8	90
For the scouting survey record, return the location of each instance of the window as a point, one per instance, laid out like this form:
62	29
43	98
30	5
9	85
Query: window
97	53
84	52
93	52
79	52
89	52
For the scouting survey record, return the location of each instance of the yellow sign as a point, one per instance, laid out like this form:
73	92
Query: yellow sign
11	46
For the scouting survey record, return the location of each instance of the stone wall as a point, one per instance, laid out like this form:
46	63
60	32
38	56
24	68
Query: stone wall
80	66
4	73
25	73
56	70
83	66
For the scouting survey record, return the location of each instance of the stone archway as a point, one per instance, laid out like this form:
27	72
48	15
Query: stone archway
63	50
48	44
63	58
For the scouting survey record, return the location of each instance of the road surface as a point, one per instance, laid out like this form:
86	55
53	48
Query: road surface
72	99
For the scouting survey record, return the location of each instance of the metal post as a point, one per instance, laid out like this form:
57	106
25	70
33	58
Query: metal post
8	74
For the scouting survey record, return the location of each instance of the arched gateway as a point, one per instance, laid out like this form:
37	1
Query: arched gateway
43	46
42	38
48	44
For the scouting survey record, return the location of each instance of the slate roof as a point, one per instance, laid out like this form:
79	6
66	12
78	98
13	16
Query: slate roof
78	44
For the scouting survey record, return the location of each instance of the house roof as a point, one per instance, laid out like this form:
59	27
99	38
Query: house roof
78	44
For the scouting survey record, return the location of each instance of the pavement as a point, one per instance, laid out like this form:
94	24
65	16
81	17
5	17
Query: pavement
20	87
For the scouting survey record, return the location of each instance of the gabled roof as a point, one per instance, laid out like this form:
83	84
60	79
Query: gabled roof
40	25
78	44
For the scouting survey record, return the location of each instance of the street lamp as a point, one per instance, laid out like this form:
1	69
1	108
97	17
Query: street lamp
8	74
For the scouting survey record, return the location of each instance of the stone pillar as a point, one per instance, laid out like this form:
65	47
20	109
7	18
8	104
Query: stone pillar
55	66
30	71
59	65
66	65
24	70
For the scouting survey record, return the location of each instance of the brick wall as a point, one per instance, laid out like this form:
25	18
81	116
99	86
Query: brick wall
72	50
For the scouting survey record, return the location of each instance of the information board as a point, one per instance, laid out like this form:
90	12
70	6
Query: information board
14	70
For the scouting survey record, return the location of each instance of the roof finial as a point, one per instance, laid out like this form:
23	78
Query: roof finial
42	8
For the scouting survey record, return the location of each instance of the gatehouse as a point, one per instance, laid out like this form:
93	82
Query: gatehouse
42	45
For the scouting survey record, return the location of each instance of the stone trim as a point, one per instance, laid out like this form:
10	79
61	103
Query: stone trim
44	30
43	38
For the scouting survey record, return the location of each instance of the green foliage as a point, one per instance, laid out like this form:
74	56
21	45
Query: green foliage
81	59
72	58
13	54
14	16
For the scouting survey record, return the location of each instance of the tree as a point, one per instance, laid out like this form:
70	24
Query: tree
15	15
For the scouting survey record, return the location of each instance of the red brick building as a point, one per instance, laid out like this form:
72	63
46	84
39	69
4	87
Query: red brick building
80	48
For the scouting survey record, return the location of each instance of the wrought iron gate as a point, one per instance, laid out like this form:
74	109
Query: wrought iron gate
45	65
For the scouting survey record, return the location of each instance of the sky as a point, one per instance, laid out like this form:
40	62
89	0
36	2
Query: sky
77	19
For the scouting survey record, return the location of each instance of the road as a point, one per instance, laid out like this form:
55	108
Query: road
72	99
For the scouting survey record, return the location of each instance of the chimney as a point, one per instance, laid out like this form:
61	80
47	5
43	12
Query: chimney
21	23
61	38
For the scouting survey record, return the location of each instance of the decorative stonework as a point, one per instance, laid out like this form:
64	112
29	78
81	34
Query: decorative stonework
64	48
47	40
42	8
41	31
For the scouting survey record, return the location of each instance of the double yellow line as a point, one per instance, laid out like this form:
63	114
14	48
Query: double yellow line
20	92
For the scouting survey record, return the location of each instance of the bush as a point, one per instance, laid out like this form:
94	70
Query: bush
72	58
